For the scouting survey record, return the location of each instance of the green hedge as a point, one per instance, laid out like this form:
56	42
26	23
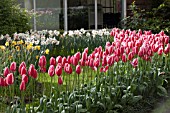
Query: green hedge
13	18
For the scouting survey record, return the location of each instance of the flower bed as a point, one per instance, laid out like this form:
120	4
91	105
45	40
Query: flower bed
131	68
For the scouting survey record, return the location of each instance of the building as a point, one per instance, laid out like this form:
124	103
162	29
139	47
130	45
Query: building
75	14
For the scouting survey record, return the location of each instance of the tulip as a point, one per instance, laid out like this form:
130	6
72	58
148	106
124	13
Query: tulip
104	61
84	56
96	62
64	60
13	66
68	68
59	59
167	50
10	79
43	69
135	62
77	55
52	61
31	70
51	70
75	61
69	59
78	69
23	70
20	66
160	51
116	58
86	50
91	63
5	82
58	70
35	75
2	81
23	86
82	63
124	59
42	61
25	78
130	56
60	80
6	71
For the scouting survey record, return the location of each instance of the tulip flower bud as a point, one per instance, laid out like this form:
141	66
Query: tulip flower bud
6	71
13	66
78	69
52	61
10	79
23	86
60	80
25	78
58	70
51	70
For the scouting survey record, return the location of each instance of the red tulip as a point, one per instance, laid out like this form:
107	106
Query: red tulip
51	70
23	70
5	82
77	55
84	56
104	61
64	60
2	82
25	78
13	66
130	56
52	61
116	58
43	69
6	71
75	61
20	66
23	86
124	59
68	68
96	62
160	51
82	63
135	62
59	59
167	49
58	70
31	70
91	63
86	50
35	75
166	39
60	80
10	79
69	59
78	69
42	61
110	60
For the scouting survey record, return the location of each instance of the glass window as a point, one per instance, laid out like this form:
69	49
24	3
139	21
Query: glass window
50	14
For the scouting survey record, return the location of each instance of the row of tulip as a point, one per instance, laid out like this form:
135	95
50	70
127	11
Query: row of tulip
140	53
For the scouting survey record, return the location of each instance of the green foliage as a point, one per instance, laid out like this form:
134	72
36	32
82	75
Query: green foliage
13	18
155	20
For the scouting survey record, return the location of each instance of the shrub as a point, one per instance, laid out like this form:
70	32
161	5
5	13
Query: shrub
155	20
13	18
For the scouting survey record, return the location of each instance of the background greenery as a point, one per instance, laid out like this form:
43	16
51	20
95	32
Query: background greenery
155	20
13	18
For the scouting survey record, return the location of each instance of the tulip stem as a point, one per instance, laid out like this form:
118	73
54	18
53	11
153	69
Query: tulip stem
51	87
